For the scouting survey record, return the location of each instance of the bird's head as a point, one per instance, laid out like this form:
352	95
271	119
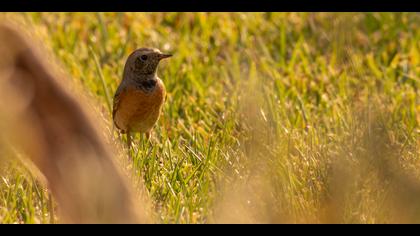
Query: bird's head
143	62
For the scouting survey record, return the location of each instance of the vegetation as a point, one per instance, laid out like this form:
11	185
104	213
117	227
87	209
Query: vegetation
270	117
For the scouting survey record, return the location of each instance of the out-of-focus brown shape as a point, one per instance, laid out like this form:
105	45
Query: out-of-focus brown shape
39	116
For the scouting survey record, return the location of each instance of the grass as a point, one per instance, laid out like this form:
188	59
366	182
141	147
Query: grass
270	117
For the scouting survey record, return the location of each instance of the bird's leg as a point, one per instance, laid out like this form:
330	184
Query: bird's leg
129	141
142	138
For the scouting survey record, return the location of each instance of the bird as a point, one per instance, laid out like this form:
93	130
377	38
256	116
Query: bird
139	98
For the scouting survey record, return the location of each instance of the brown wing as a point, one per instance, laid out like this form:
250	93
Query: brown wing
116	102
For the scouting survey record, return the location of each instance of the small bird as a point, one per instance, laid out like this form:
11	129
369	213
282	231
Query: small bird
139	98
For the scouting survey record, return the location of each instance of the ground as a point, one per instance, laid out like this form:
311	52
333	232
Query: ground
270	117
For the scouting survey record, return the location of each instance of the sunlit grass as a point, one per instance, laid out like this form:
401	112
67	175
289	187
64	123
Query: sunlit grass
271	115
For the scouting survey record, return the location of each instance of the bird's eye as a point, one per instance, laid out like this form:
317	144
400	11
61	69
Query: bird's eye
144	57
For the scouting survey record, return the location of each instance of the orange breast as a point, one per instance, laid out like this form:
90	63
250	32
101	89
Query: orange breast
138	111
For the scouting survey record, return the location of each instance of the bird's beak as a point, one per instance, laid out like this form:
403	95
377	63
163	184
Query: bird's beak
162	56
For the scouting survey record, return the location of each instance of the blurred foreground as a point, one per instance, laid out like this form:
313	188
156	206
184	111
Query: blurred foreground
270	118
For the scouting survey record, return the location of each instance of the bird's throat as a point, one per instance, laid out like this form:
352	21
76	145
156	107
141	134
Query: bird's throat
147	85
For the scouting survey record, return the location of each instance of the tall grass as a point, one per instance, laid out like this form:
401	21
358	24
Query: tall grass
270	117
